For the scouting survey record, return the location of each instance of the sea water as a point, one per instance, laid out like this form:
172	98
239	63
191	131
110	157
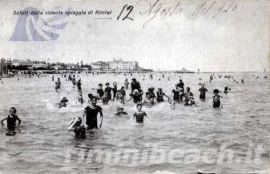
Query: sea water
43	143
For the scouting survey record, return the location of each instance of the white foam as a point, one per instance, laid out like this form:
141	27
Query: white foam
163	172
267	171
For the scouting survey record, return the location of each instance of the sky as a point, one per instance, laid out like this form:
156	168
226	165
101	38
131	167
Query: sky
219	35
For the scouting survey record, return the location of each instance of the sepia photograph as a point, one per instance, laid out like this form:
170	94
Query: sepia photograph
134	87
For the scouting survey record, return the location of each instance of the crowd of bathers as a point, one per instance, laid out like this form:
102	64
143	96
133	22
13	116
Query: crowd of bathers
107	94
89	121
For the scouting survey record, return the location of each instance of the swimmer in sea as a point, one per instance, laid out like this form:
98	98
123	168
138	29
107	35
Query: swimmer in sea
91	112
148	101
160	95
152	93
202	90
90	96
190	101
172	103
63	102
74	81
80	97
216	99
77	126
211	78
79	85
135	85
100	91
108	90
139	115
126	84
120	111
114	89
226	90
176	93
187	94
181	84
57	84
105	98
11	119
136	96
120	95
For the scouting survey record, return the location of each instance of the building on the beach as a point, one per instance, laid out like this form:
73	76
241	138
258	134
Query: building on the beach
40	66
70	66
115	66
17	62
100	66
184	70
123	66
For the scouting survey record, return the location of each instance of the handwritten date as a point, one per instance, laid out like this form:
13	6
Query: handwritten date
159	8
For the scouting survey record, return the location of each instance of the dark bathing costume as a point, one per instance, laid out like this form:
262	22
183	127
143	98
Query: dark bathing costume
91	116
135	85
202	93
79	84
216	101
152	95
176	94
181	85
160	96
58	84
136	98
11	121
114	91
100	92
139	116
109	90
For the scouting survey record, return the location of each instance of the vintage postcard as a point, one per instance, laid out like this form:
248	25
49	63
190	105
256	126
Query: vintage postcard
134	86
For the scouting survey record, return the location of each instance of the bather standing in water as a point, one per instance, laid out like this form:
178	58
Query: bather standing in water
216	99
160	95
148	101
91	112
11	119
57	84
139	115
202	90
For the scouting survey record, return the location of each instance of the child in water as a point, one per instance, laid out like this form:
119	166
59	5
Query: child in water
139	115
77	126
11	119
63	102
216	99
120	111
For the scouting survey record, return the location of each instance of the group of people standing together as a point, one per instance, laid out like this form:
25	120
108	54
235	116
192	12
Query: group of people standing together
89	120
107	94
